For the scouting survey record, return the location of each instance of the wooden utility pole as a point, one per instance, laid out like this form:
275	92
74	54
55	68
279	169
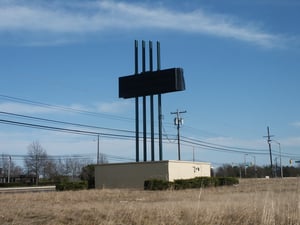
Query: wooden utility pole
178	121
270	150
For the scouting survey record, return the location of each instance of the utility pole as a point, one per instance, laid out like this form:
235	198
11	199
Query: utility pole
270	150
178	121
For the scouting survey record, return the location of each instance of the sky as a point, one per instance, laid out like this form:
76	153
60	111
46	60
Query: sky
61	60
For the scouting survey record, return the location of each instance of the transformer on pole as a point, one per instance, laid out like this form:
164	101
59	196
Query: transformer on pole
178	121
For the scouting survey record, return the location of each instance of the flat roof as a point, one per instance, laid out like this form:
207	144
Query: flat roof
156	162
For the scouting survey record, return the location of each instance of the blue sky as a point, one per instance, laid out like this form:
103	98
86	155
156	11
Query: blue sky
240	61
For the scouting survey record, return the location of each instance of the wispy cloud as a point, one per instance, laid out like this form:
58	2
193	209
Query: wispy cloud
105	108
24	108
63	21
114	107
257	144
296	124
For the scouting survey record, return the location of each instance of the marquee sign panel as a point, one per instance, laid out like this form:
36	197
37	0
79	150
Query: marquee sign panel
151	83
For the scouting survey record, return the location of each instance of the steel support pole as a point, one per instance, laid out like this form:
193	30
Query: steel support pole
98	150
144	103
159	107
136	71
151	103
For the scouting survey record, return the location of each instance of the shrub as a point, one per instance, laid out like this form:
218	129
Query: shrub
155	184
88	174
71	186
197	182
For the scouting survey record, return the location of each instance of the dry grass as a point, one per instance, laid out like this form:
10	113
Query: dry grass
274	201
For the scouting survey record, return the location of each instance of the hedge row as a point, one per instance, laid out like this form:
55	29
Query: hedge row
8	185
71	186
198	182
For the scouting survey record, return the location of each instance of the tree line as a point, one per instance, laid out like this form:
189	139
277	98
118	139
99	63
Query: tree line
38	164
255	171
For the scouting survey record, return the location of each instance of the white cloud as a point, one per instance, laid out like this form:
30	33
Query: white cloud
62	20
259	144
24	108
296	124
114	107
290	142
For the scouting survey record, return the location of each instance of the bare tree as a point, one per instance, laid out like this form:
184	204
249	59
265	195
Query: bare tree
36	160
8	168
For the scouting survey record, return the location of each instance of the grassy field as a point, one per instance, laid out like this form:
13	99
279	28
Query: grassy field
253	201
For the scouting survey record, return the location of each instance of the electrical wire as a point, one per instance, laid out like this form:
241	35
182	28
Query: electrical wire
63	122
186	140
253	150
63	108
66	130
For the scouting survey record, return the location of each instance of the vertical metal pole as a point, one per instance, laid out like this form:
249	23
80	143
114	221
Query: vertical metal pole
255	172
8	172
281	171
193	154
159	107
144	103
136	71
151	103
245	166
98	153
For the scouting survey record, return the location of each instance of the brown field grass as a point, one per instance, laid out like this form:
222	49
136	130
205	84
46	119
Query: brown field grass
253	201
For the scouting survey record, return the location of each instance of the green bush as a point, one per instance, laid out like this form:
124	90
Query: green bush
155	184
88	174
7	185
197	182
71	186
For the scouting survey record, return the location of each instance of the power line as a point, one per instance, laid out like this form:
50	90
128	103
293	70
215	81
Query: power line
66	130
219	149
242	149
63	108
63	122
192	142
87	156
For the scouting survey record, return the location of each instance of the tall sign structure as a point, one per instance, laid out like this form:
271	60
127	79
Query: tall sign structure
149	83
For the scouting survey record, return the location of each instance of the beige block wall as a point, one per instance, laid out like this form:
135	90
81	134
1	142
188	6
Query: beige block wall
186	170
129	175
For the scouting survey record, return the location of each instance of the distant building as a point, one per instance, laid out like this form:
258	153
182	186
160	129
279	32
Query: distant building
133	175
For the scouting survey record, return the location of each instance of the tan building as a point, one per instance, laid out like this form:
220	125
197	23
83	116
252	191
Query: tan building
133	175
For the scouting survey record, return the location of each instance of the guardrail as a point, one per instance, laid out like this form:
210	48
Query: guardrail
28	189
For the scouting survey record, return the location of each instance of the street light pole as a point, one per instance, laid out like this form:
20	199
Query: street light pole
8	172
245	161
245	165
281	170
279	146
